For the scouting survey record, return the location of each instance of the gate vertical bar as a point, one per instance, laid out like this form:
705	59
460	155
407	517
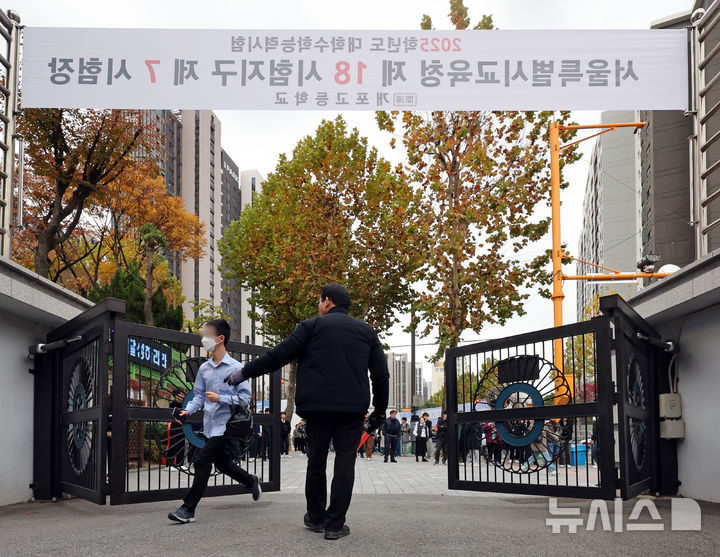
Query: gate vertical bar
118	396
606	394
275	387
451	407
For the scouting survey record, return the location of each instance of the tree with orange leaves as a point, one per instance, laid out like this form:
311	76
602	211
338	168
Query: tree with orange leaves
76	154
481	175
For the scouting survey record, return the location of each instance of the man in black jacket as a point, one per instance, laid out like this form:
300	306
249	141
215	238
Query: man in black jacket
391	431
441	443
334	352
284	435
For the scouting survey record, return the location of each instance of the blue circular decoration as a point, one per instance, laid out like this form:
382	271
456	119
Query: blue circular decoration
537	400
192	437
79	402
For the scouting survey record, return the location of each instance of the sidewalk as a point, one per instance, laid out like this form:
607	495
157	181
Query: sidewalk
382	524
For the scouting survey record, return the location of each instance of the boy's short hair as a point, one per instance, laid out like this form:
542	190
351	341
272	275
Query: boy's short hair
222	328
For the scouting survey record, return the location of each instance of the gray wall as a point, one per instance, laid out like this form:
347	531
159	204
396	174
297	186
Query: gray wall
30	307
16	409
685	307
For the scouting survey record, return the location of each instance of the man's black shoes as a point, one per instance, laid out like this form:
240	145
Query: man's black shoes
337	534
182	515
310	524
393	460
255	488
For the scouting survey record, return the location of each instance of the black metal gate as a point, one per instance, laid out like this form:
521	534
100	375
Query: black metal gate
104	394
535	413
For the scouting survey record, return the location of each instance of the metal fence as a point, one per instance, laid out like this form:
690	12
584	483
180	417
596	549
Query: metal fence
580	425
525	426
153	370
112	384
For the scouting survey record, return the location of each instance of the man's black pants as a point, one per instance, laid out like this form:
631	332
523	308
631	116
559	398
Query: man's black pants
221	451
345	431
284	445
392	442
441	445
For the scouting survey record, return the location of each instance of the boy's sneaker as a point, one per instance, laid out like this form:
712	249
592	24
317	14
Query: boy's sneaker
337	534
182	515
255	488
310	524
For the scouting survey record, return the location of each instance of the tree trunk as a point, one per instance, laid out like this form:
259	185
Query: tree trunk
292	377
42	252
147	309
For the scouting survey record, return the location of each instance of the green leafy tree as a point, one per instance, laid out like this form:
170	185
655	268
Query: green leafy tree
482	176
334	211
127	285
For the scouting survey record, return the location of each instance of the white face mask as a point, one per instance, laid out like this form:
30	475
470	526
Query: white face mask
208	343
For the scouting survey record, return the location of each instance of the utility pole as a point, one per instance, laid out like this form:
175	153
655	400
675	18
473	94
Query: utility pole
557	254
412	364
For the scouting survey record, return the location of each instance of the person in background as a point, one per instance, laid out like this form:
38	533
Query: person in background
539	447
422	434
302	428
370	441
429	446
566	432
441	444
265	440
493	443
176	438
284	435
391	431
553	443
404	437
594	444
297	443
215	397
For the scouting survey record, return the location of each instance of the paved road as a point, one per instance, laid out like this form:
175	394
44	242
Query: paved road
376	477
410	525
386	518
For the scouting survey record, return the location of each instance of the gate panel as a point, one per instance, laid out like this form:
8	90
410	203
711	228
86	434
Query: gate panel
504	398
83	421
636	365
153	370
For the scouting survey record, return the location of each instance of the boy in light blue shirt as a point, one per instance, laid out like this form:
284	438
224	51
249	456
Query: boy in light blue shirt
216	398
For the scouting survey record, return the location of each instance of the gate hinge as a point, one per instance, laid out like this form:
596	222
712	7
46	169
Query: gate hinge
667	345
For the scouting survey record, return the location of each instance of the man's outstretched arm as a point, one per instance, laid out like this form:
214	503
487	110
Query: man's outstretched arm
282	354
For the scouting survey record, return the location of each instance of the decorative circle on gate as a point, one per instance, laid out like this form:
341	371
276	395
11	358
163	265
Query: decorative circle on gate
177	443
519	445
518	438
636	395
79	440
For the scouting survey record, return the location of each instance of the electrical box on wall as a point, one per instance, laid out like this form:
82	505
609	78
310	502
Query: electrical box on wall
670	405
672	429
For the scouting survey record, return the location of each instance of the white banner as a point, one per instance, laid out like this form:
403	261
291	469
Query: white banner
354	70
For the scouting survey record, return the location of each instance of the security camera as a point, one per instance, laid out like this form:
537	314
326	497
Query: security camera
647	263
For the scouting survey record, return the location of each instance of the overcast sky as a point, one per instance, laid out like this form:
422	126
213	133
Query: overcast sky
254	139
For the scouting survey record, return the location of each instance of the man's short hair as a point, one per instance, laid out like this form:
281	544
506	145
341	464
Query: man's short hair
338	294
426	414
404	418
222	328
392	412
281	413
